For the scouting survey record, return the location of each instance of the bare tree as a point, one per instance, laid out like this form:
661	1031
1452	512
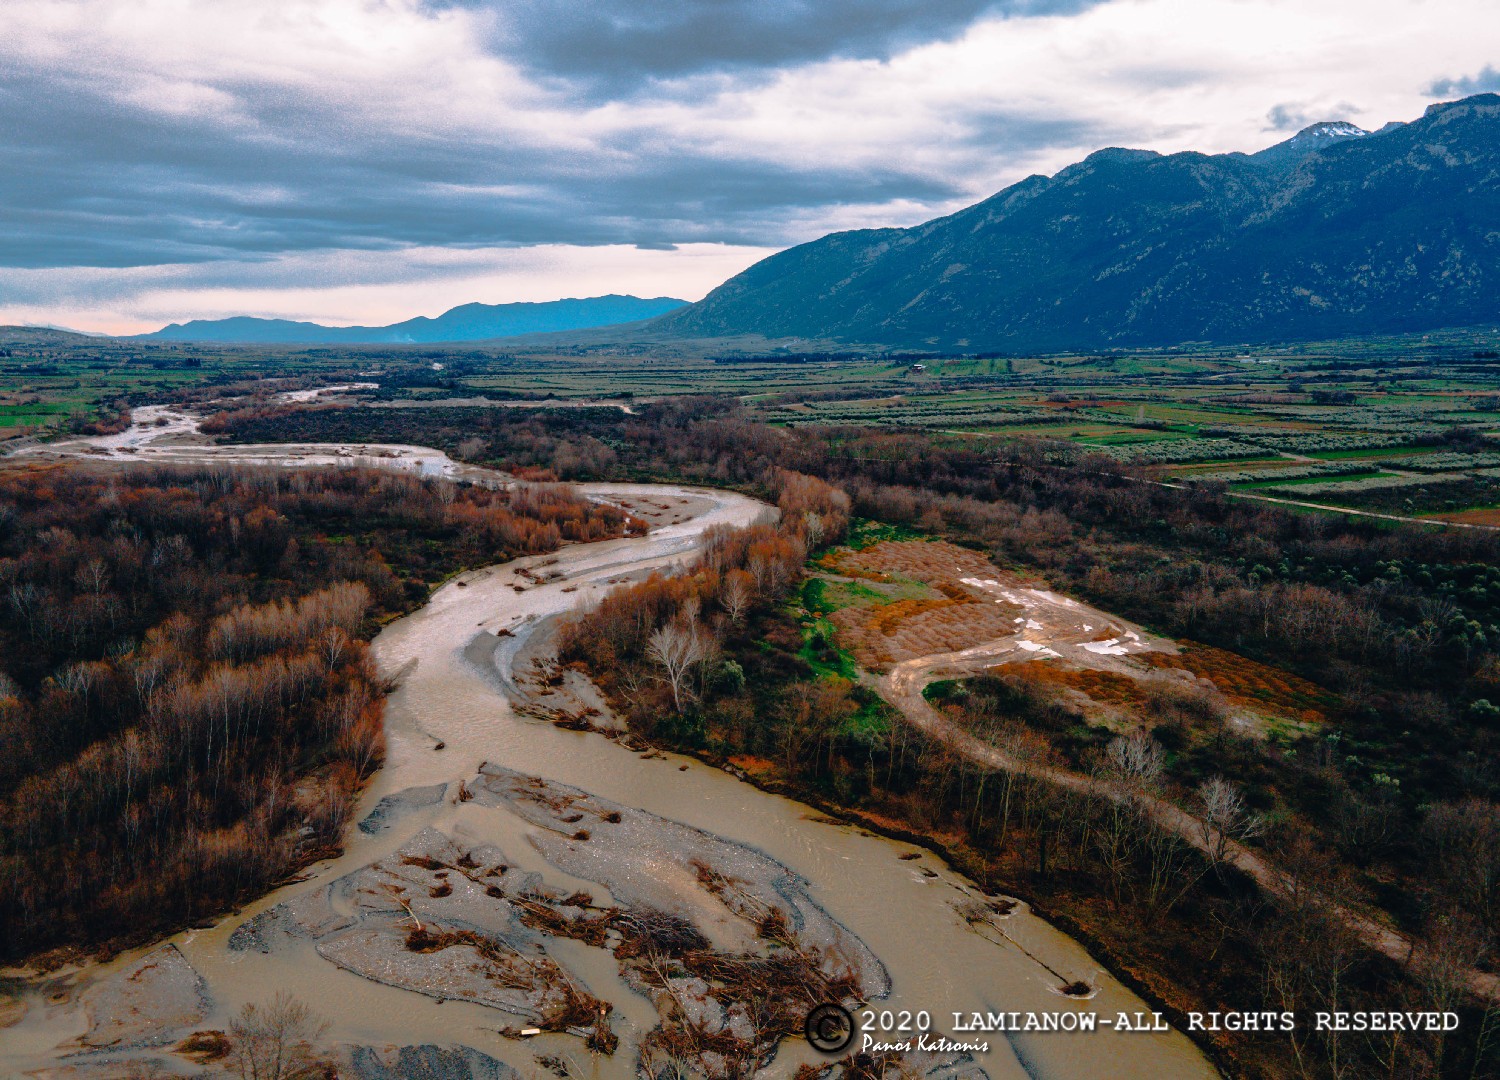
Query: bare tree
1464	841
92	576
471	449
1118	828
1136	760
1441	964
26	599
678	647
736	594
1226	819
813	525
332	644
275	1041
1172	867
763	570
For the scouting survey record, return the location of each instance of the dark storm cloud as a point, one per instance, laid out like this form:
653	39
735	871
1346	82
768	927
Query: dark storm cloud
611	46
1287	117
1018	131
1293	116
93	181
1485	81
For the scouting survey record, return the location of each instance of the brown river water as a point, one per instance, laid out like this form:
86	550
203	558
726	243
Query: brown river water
450	692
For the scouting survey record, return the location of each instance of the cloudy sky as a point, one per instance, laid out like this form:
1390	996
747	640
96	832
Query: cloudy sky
370	160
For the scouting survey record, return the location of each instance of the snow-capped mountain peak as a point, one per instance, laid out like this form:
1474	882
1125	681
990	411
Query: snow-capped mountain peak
1331	129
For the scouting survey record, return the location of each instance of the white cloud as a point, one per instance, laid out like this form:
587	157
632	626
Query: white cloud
365	288
1166	75
426	126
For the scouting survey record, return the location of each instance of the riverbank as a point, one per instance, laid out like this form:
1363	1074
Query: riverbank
447	714
1076	919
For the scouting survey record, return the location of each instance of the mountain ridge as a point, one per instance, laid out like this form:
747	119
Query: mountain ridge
1332	232
466	322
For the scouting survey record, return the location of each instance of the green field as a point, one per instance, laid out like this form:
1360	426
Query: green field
1262	418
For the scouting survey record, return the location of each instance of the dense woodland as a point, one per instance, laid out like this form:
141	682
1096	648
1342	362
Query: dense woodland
1393	801
714	662
187	706
1402	622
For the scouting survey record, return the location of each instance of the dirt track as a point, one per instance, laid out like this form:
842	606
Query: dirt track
1344	509
902	687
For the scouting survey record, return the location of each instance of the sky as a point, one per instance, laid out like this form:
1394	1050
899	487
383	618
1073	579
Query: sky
365	161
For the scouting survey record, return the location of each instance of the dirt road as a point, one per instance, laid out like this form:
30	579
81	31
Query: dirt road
902	687
1341	509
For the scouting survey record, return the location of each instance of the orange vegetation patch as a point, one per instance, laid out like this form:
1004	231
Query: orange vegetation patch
1105	687
1080	403
932	561
1248	682
890	633
884	620
910	628
754	766
1486	516
842	563
1269	466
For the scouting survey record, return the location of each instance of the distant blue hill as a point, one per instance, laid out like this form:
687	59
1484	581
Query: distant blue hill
470	322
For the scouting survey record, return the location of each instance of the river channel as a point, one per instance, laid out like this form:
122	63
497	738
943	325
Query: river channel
450	713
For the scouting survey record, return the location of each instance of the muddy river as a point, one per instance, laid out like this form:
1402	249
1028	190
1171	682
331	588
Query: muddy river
451	713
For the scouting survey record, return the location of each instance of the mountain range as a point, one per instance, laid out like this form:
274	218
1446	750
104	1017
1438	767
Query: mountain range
470	322
1335	231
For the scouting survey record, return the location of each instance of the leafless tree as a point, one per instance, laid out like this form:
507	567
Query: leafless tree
1441	963
1464	839
1118	830
26	599
332	644
1136	760
275	1041
1225	820
811	712
736	594
814	530
93	576
678	647
1172	867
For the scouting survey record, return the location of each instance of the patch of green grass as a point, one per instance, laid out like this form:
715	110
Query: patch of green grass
865	533
1359	455
1130	437
820	650
831	595
943	690
1255	485
874	716
823	597
815	596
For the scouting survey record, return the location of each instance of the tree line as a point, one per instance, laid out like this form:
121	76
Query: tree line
187	703
714	661
1393	800
658	646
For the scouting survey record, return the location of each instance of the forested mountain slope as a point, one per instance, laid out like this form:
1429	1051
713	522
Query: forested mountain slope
1334	232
